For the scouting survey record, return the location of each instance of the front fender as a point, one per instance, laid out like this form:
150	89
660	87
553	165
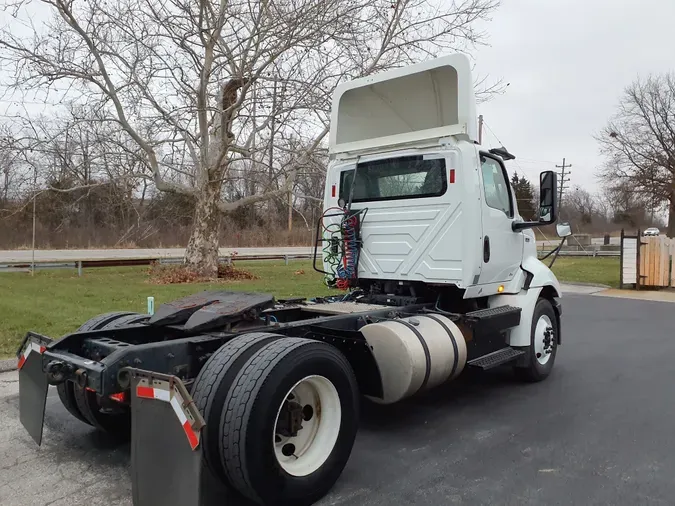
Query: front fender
541	282
540	275
525	300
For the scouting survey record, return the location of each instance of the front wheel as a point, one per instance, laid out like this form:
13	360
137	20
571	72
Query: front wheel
543	343
289	422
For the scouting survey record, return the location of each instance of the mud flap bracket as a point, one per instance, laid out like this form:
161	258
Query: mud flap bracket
166	450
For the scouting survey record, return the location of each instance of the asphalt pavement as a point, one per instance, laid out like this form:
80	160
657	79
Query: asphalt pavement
599	431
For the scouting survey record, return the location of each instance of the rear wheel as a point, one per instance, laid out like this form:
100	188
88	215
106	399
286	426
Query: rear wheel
289	423
79	404
214	382
67	395
100	321
104	414
66	390
130	319
543	343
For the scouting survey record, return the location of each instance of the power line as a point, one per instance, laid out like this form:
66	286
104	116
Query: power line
483	122
534	160
493	134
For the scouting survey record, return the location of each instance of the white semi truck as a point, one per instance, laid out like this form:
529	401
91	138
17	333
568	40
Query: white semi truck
238	395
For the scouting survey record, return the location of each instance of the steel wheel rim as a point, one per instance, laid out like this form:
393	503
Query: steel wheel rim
544	340
314	442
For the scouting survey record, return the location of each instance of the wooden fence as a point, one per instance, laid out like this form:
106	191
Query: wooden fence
646	262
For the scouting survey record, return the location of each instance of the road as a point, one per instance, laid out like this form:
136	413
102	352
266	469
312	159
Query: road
73	255
597	432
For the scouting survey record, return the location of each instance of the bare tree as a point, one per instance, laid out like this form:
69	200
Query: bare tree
12	178
639	142
579	206
210	90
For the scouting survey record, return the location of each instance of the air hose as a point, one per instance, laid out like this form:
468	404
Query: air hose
341	246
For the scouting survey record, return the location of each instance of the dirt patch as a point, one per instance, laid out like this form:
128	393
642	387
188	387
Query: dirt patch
175	274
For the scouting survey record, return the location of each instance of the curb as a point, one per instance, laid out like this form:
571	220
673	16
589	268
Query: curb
589	285
583	288
8	365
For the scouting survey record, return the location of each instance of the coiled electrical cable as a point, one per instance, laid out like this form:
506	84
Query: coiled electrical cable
341	246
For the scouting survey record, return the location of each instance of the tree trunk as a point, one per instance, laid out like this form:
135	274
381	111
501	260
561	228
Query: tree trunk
671	215
202	250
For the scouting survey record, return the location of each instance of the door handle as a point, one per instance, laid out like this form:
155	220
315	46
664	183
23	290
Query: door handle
486	249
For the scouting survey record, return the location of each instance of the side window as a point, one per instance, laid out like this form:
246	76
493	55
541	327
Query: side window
497	194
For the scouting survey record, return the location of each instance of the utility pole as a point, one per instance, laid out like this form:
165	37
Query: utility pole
480	129
271	152
272	127
32	264
563	178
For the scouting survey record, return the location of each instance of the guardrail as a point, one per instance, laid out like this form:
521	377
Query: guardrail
587	253
80	265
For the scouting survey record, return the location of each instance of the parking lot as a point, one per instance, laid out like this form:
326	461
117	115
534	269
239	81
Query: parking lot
598	431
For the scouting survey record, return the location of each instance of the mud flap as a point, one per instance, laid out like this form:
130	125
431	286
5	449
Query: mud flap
33	385
166	452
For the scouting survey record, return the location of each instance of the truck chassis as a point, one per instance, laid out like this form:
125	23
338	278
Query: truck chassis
97	369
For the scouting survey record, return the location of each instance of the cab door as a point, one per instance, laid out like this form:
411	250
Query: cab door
502	247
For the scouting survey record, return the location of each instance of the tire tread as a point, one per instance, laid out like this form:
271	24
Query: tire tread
532	373
243	397
212	375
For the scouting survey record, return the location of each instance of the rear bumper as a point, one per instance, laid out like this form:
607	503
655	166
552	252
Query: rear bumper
59	366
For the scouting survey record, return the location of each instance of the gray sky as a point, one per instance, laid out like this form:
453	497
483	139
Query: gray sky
568	62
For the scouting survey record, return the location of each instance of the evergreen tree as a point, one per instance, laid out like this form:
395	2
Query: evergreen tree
524	196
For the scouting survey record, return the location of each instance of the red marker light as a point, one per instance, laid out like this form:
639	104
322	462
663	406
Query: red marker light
452	176
120	397
332	191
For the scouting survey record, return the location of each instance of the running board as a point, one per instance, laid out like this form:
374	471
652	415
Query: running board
494	320
496	358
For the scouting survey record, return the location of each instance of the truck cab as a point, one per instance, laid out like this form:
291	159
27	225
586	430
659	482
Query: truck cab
440	208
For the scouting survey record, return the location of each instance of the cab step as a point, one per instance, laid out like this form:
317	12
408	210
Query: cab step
494	320
496	358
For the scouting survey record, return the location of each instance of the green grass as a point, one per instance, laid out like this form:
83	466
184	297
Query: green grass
56	302
599	270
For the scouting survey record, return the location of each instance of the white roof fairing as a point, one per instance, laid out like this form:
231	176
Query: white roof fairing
428	100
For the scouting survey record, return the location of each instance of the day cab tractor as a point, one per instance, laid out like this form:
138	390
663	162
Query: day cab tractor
238	395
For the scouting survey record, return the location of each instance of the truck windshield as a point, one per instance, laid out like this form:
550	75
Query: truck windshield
395	178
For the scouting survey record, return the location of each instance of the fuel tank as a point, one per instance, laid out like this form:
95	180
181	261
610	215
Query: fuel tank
415	353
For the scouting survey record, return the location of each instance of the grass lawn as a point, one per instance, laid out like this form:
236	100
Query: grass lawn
599	270
56	302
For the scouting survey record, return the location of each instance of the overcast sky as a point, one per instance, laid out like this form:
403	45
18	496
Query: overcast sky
567	62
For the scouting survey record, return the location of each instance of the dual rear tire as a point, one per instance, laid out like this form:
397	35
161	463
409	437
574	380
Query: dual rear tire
281	417
85	405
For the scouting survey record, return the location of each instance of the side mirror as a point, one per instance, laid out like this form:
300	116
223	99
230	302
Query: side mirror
548	189
563	230
548	205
